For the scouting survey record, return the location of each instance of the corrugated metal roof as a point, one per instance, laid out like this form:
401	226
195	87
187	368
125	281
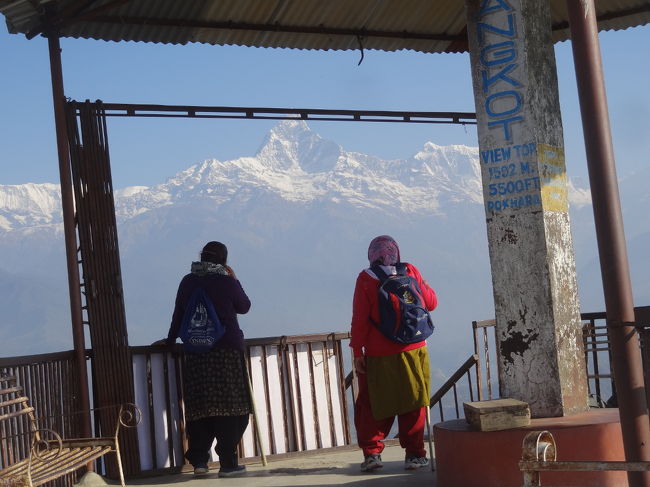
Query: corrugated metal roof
388	25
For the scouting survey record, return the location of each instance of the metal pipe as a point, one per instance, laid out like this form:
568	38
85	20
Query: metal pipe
626	354
275	113
429	437
69	230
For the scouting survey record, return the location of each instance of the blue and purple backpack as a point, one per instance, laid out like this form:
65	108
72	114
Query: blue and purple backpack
403	317
200	328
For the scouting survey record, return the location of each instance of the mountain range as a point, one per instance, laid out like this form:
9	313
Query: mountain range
297	218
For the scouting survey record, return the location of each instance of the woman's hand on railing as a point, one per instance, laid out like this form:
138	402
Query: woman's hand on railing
359	365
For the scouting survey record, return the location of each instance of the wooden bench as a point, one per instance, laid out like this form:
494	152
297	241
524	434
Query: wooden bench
49	456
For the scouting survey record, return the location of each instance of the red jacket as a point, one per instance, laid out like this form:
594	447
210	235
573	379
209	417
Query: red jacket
366	339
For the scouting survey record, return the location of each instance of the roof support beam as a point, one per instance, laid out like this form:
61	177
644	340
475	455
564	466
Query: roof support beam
295	29
73	13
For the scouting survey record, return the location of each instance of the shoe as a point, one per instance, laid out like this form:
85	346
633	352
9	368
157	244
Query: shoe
413	463
371	462
232	471
201	469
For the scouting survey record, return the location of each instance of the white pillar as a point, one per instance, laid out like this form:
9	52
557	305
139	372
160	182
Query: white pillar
526	205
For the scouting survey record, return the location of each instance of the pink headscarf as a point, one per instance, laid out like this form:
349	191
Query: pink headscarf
385	249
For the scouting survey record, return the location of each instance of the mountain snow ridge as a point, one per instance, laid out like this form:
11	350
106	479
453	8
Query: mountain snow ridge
29	205
297	165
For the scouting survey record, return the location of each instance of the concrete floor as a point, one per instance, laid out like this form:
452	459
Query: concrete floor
329	468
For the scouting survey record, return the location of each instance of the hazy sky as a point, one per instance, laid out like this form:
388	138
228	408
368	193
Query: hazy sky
147	151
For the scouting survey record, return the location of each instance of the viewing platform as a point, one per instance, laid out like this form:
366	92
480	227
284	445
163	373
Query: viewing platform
303	390
339	467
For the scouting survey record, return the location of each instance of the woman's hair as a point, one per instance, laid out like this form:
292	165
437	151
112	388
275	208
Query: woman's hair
215	252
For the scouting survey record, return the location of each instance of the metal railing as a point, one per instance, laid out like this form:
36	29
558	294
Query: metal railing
486	356
485	363
447	400
298	387
50	381
539	453
600	380
598	354
452	385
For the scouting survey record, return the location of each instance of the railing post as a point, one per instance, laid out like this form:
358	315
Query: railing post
531	479
538	446
479	375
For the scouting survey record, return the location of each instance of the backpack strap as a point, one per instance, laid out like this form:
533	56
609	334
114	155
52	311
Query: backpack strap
379	272
401	268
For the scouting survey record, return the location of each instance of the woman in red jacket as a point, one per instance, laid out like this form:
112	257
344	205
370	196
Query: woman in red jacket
393	378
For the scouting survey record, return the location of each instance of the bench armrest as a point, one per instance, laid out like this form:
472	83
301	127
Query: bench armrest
129	416
45	443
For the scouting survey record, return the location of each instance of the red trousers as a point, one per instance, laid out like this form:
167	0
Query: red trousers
372	432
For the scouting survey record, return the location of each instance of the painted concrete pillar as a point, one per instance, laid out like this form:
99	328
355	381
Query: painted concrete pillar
521	147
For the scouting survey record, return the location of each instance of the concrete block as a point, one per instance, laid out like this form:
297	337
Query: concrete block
497	414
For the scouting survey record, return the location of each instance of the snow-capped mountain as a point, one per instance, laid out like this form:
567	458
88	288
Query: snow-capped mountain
29	205
297	218
296	165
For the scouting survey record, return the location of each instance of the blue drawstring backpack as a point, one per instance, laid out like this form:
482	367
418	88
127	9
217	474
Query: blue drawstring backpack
201	327
403	317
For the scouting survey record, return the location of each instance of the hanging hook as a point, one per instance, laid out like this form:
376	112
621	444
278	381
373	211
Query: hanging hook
359	40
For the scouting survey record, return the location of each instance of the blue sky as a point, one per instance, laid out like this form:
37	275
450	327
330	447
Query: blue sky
147	151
